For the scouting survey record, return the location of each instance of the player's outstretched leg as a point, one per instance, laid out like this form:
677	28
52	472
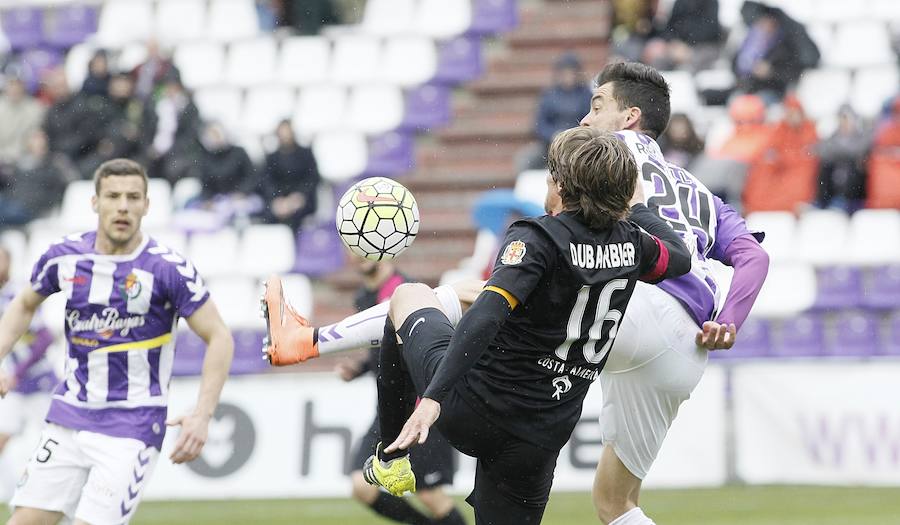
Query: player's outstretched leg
289	337
615	492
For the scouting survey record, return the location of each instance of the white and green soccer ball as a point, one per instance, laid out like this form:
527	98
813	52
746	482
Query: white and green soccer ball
377	218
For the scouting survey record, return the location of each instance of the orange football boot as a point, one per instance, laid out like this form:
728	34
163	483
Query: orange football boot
289	337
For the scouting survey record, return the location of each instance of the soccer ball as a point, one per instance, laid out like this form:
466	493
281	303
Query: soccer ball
377	218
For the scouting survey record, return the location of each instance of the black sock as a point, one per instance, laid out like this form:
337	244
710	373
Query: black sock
395	402
453	518
397	509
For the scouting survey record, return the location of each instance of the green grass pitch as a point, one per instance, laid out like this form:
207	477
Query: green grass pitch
774	505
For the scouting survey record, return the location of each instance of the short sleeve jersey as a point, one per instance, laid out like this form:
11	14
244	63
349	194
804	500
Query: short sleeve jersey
573	285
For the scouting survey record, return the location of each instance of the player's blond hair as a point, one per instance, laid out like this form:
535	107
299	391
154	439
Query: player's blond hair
596	175
115	167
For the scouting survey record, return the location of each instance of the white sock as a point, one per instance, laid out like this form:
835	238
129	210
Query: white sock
634	516
364	329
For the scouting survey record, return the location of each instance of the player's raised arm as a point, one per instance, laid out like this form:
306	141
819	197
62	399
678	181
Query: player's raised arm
206	323
14	323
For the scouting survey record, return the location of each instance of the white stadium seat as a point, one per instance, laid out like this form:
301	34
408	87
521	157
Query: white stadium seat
237	299
684	97
375	109
76	65
299	291
220	103
340	155
822	91
214	253
185	190
821	237
76	213
252	144
443	19
266	249
231	20
39	239
860	44
888	10
780	228
124	21
304	60
201	63
531	186
836	11
174	240
789	289
131	56
160	194
266	106
178	21
251	62
16	244
822	33
409	61
389	17
872	237
319	108
872	86
356	59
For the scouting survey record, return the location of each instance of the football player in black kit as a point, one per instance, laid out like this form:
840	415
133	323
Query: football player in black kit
507	385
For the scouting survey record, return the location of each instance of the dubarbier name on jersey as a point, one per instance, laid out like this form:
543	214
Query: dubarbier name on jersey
614	255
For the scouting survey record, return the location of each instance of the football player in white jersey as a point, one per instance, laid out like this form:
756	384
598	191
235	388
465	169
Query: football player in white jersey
108	417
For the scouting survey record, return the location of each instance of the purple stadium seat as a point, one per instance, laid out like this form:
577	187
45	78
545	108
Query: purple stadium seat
493	16
427	106
890	345
319	250
800	336
390	155
838	287
190	350
753	341
856	334
67	25
22	26
882	287
459	60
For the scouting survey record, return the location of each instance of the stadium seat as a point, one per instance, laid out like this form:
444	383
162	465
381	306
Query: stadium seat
131	56
237	299
220	103
836	11
391	154
67	25
890	344
39	239
265	107
201	63
160	194
684	97
443	19
459	60
717	79
231	20
493	16
753	342
356	59
36	63
125	21
427	106
780	228
75	212
800	336
887	10
881	287
171	238
303	60
868	231
251	62
190	16
76	64
16	244
319	250
253	144
185	190
214	254
818	101
298	288
838	287
22	26
388	17
789	289
319	108
531	186
409	61
822	33
341	155
860	44
821	237
854	334
266	249
373	109
872	87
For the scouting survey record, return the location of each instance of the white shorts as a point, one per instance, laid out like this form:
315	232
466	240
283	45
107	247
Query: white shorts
654	365
87	476
16	410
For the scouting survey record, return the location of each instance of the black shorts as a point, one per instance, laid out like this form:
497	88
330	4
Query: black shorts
512	476
433	463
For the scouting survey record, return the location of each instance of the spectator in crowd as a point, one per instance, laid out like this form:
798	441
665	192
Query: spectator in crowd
290	180
121	136
152	73
20	114
171	132
680	143
96	83
37	183
842	174
633	27
785	179
691	38
882	190
307	17
225	169
74	122
774	53
561	106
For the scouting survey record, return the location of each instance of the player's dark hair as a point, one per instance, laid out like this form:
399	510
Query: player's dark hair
639	85
119	167
596	175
